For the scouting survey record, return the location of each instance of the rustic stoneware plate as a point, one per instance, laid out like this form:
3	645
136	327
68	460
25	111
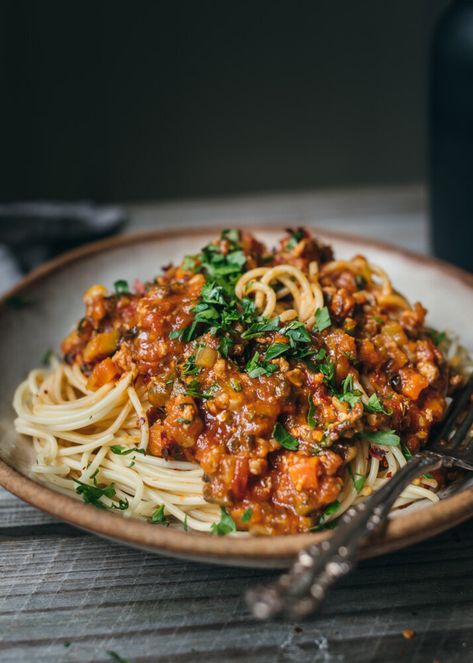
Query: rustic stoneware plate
54	292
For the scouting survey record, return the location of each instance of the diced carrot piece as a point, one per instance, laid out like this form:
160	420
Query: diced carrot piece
101	345
304	473
412	383
157	440
103	373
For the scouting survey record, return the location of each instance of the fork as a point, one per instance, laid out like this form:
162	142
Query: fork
303	588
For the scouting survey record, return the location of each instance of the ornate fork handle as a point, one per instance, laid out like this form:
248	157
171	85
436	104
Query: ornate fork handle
302	589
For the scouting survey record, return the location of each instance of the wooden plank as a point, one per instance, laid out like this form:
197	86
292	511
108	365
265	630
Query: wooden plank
101	596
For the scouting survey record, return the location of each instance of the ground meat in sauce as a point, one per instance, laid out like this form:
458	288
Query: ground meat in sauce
223	419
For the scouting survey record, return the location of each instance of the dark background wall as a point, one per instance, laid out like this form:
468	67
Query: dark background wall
113	100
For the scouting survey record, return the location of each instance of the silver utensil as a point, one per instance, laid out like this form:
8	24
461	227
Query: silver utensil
303	588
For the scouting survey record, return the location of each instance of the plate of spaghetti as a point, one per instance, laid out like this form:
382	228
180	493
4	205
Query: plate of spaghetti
227	396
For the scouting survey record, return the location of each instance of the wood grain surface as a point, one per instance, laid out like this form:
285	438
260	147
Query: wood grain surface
68	597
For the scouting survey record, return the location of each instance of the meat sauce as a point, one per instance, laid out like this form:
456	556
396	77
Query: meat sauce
203	405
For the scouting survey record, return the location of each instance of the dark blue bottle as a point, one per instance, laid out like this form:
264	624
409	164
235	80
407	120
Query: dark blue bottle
451	135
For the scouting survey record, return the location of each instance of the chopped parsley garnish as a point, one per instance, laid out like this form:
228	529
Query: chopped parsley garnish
189	264
121	287
325	365
231	235
349	395
46	357
226	524
296	333
436	336
286	440
261	326
124	451
117	658
185	524
247	515
311	413
375	405
329	511
379	320
158	517
257	367
92	494
388	438
357	479
360	282
322	319
122	505
193	389
181	420
185	334
189	367
276	349
235	384
406	453
296	236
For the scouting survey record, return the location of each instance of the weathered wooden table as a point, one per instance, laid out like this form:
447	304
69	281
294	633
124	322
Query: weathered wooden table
68	597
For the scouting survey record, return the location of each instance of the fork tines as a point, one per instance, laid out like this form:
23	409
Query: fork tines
457	422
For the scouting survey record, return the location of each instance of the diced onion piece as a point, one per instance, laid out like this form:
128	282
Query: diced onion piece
101	345
158	393
94	292
206	357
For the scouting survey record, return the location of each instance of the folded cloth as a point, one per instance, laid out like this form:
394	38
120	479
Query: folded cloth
37	231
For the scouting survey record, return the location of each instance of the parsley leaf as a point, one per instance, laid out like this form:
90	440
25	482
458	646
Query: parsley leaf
189	367
121	287
257	367
296	333
225	525
232	235
122	505
117	658
124	451
260	326
329	511
247	515
296	236
407	454
193	389
284	438
375	405
276	349
358	479
350	395
185	334
158	517
189	264
46	357
322	319
91	494
436	336
387	438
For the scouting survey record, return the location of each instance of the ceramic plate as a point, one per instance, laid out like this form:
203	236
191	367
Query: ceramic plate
54	292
